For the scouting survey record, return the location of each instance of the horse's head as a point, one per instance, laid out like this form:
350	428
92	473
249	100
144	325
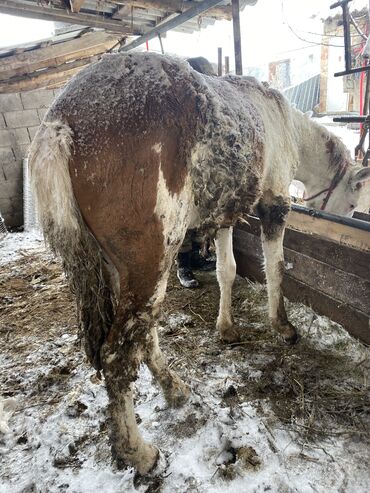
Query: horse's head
333	182
345	192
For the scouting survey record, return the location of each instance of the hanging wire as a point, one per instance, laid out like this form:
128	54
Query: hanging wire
303	39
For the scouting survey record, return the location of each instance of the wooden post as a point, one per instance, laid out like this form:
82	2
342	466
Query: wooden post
219	72
227	65
160	41
237	38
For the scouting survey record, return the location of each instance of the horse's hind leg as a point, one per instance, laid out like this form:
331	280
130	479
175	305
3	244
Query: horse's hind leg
121	356
176	392
272	211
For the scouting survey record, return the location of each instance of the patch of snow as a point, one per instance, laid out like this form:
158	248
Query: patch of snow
13	244
61	445
7	407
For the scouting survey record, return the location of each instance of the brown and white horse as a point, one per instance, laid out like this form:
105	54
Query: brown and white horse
137	149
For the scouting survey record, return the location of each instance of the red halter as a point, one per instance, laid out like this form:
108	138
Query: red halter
333	184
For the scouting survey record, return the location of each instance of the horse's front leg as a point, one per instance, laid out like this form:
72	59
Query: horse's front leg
272	211
226	271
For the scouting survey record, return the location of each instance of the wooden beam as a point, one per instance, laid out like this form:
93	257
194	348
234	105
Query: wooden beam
320	248
227	65
329	290
12	7
178	6
54	55
198	9
219	64
341	233
76	5
44	78
237	37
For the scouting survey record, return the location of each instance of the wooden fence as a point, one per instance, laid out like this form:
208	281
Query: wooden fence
327	260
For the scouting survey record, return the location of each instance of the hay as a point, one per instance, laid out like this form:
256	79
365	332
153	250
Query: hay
314	390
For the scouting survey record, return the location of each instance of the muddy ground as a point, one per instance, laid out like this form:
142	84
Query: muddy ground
262	417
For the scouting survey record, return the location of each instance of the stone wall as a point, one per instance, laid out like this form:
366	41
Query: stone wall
20	116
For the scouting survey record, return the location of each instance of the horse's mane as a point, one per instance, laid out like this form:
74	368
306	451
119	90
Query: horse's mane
337	151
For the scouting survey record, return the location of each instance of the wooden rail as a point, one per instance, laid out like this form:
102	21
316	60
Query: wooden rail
327	262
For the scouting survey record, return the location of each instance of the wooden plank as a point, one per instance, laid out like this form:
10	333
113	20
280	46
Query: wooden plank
341	233
344	234
219	61
237	37
334	282
52	56
344	287
339	256
46	77
76	5
343	257
33	11
248	256
227	65
354	321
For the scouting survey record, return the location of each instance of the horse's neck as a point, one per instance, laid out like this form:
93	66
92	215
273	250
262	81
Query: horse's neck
313	163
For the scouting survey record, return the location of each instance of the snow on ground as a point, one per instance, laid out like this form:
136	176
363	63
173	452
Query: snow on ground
12	245
262	416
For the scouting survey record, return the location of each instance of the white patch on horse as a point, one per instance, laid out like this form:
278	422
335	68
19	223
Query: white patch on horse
157	147
173	210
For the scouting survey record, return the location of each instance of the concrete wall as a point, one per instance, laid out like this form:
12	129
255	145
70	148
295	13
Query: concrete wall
20	116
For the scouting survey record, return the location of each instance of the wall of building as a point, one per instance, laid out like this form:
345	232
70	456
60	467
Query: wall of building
20	117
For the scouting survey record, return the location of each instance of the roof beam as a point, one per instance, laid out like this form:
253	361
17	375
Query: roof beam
33	11
43	78
162	28
54	55
178	6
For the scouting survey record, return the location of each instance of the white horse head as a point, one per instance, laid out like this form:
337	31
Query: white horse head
333	182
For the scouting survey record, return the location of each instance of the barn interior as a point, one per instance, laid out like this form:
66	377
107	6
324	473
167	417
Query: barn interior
263	416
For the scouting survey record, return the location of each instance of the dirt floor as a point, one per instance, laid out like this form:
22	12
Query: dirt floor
262	417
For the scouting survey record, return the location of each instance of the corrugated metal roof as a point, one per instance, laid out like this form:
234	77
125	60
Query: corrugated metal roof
305	96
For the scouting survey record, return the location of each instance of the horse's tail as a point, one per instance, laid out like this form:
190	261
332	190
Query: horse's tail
68	235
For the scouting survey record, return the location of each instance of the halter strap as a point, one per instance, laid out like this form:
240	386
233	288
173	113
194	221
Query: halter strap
333	184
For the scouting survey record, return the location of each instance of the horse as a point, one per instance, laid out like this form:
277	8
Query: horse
139	148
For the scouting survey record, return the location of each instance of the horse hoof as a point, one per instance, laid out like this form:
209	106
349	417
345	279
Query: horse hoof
144	458
149	459
228	333
178	394
288	332
291	340
155	473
